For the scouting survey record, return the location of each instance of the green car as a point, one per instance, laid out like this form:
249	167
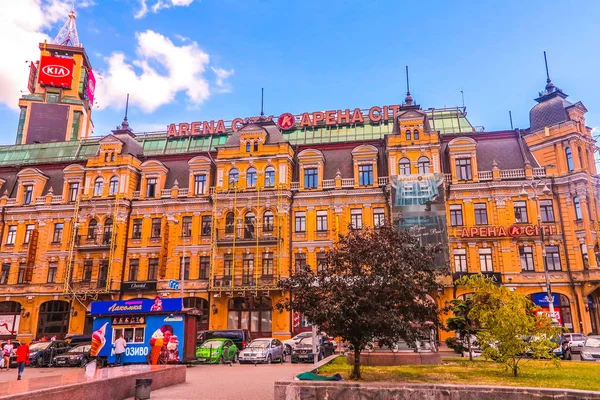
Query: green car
215	351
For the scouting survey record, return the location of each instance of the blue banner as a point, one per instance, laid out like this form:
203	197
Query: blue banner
541	299
136	306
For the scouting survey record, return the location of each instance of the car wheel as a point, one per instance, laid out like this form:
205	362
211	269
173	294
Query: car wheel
269	359
282	358
83	362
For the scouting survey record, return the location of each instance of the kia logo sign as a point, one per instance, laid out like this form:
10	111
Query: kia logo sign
56	71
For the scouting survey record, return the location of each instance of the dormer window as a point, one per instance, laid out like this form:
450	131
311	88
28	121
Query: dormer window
73	191
423	164
463	169
365	175
248	147
251	178
114	186
269	177
255	146
416	134
408	137
311	178
151	187
98	187
199	184
27	194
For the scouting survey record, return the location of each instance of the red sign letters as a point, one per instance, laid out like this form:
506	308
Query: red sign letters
500	231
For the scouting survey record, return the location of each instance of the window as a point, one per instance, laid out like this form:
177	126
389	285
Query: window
547	210
481	214
463	169
131	335
137	228
152	269
365	175
227	264
27	194
423	164
569	156
98	187
87	271
185	261
267	264
456	218
521	212
356	218
255	146
28	230
408	134
113	187
5	273
322	225
52	270
156	227
229	223
553	258
268	219
151	187
269	177
248	147
206	225
52	97
249	226
233	177
416	134
404	166
251	178
58	231
12	234
134	267
204	267
108	231
321	262
300	221
73	191
577	206
485	260
186	226
311	178
378	218
526	254
22	273
92	229
248	269
199	184
460	260
300	261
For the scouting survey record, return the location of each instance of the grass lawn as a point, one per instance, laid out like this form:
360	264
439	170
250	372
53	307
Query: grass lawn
533	373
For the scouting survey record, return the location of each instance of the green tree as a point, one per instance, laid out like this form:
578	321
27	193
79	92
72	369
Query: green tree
461	323
511	330
377	283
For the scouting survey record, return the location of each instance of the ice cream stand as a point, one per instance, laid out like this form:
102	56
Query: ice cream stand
158	331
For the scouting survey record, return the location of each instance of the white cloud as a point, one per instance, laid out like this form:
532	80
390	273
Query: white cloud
23	25
222	75
159	5
181	37
160	71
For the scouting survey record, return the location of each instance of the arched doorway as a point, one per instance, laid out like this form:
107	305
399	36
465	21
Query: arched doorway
253	313
53	319
201	305
10	317
562	307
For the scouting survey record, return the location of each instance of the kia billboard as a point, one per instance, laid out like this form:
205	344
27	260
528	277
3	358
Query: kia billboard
56	71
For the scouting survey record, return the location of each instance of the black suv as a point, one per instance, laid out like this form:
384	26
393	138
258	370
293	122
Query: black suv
41	354
302	350
241	337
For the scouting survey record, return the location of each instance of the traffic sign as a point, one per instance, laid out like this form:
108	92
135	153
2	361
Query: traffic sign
173	284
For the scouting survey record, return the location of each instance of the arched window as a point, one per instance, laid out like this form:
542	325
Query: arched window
114	186
408	134
580	155
255	146
416	134
248	147
268	220
249	226
108	229
577	205
251	177
569	156
423	165
53	319
233	177
92	229
98	187
229	222
404	166
269	177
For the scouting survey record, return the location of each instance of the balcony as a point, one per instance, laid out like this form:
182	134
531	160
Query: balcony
244	282
88	285
98	242
247	235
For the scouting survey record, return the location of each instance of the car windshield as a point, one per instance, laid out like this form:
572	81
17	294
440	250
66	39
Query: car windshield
212	344
39	346
592	342
307	340
302	336
260	343
577	337
83	348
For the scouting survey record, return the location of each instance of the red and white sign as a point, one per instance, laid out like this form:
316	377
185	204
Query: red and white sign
91	87
56	71
555	317
296	319
286	121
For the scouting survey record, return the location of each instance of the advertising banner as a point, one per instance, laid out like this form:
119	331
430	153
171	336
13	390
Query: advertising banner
9	324
56	71
136	306
90	88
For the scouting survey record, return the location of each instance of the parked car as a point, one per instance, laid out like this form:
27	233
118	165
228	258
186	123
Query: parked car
217	350
589	350
302	351
289	343
77	356
241	337
263	351
75	340
13	356
41	354
571	341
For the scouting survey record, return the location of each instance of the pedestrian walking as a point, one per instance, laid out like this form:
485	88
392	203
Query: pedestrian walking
119	346
22	358
6	352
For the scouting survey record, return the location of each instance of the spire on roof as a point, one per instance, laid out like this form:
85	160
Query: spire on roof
408	99
125	124
67	36
550	90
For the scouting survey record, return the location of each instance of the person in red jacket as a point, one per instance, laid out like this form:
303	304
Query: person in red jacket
22	358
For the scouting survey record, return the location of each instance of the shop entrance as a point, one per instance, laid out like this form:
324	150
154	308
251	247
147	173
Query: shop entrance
53	319
253	313
201	305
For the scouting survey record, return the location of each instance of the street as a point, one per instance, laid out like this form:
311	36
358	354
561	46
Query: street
33	373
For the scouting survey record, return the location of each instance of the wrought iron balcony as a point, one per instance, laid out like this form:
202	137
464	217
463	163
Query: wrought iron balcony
96	242
247	235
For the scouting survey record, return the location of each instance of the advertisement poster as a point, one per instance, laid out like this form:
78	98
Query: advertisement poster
90	87
136	306
56	71
9	324
418	205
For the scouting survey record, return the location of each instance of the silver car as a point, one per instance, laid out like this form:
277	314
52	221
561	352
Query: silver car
589	351
265	350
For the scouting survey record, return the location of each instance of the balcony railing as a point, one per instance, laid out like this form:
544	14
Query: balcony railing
183	192
244	281
329	184
83	242
347	182
247	234
512	173
539	172
92	284
484	175
383	180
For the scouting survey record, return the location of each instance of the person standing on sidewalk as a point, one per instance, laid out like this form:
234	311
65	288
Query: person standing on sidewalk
119	346
22	358
6	353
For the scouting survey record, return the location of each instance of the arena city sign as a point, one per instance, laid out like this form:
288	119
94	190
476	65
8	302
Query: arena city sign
287	121
500	231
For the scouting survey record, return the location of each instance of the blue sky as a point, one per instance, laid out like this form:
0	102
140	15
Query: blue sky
315	55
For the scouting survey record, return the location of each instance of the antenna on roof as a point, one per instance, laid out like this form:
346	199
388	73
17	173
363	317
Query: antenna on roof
125	124
408	99
462	94
510	116
262	98
547	74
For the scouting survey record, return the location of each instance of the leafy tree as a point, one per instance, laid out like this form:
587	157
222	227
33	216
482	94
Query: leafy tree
377	283
461	322
510	327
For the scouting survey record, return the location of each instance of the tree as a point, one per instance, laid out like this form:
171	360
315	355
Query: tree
377	283
510	327
461	322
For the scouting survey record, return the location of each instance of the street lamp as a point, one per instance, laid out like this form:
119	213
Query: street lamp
545	191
